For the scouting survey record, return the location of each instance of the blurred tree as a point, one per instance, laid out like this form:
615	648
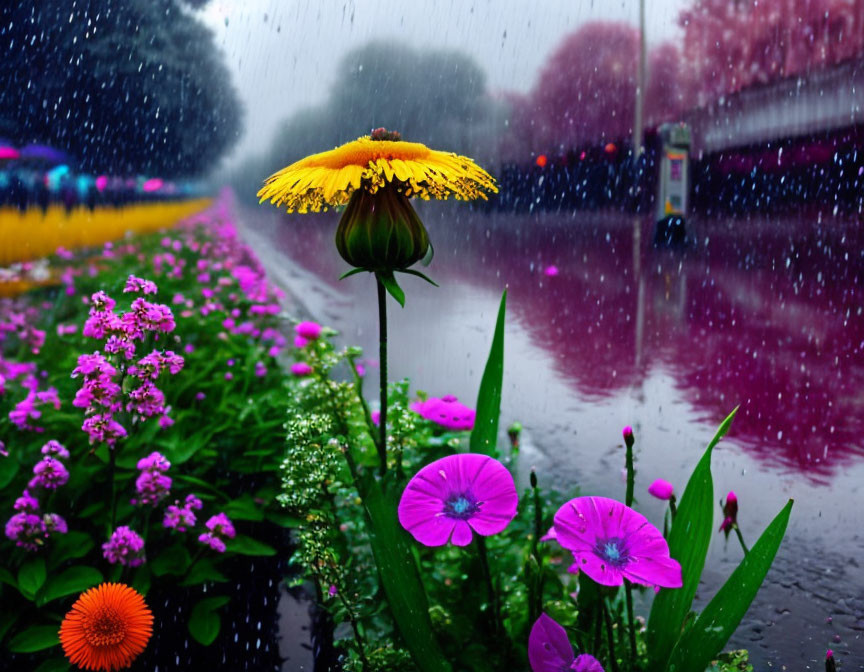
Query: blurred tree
732	44
131	86
586	93
435	97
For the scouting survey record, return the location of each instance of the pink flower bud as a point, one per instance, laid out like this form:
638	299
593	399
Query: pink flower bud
661	489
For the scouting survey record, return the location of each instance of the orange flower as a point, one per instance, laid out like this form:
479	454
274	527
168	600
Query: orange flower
107	628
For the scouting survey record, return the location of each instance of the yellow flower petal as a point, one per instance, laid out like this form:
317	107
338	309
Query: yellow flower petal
329	178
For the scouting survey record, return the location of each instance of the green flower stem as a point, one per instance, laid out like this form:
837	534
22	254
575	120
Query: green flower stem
628	593
628	588
610	637
367	414
631	476
382	357
490	588
741	539
358	637
112	501
673	507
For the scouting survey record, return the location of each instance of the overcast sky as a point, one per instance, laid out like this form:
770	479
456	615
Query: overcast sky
283	53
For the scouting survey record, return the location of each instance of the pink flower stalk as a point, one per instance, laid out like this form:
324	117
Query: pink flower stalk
730	514
549	649
25	529
308	330
219	528
449	498
611	542
447	412
53	523
301	369
125	547
181	518
103	428
661	489
140	286
26	503
49	474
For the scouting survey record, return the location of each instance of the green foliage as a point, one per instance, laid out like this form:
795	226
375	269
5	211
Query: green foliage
484	437
225	445
75	579
688	544
35	639
712	629
204	621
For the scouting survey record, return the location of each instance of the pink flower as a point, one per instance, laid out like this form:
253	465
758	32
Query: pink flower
550	271
125	547
661	489
612	542
450	497
300	342
730	514
26	503
308	330
49	473
376	417
53	523
549	649
447	412
139	286
66	329
25	529
629	439
220	528
301	369
260	369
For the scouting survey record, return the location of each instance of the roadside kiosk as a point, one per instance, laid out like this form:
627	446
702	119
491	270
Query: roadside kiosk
673	184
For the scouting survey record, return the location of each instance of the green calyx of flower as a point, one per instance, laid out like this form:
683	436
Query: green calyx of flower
381	232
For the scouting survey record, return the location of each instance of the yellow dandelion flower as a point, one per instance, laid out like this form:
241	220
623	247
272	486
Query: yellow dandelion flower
329	178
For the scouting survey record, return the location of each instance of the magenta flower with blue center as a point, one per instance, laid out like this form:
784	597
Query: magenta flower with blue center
611	542
455	496
549	650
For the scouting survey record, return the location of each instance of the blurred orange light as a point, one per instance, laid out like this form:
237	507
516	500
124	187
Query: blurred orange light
541	160
610	148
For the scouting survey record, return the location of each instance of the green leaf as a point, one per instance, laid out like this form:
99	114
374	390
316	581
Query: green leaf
142	580
203	571
7	577
8	469
7	620
715	625
76	579
353	271
173	560
191	480
484	437
392	287
204	622
248	546
31	576
283	519
69	546
688	544
411	271
53	665
244	508
400	578
35	639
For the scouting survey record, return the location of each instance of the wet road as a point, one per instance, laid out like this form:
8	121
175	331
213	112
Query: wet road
762	313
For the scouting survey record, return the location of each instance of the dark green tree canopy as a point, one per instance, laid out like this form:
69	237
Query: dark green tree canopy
125	86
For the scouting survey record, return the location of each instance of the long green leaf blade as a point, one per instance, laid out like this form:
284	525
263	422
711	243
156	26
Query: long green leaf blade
715	625
485	433
400	578
688	544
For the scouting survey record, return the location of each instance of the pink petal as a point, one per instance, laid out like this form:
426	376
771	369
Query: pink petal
549	648
461	534
599	570
586	663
